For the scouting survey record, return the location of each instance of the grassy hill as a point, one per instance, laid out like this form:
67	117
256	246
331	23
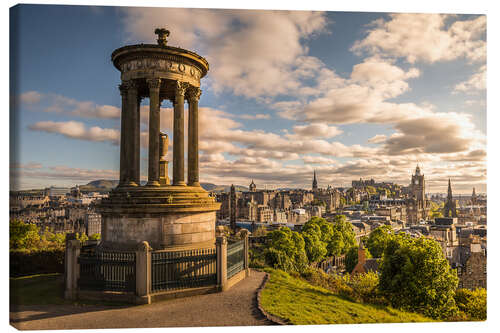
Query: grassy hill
301	303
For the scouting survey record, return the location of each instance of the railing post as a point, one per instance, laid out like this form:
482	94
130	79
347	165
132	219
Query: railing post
221	246
71	269
244	236
143	274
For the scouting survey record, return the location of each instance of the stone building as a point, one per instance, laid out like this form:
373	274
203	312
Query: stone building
471	266
417	206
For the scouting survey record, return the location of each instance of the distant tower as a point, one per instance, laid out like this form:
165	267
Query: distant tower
474	197
450	207
252	187
232	199
315	183
416	205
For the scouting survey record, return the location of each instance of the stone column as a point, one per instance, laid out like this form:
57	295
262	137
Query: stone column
124	142
193	162
137	141
178	171
221	248
133	133
143	273
71	269
154	132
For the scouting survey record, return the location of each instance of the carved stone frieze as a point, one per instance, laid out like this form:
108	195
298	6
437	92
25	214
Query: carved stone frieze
165	65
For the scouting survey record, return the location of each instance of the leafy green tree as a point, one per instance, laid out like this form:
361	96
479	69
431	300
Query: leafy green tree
370	190
378	240
23	235
286	250
95	237
351	258
344	236
436	210
415	276
472	303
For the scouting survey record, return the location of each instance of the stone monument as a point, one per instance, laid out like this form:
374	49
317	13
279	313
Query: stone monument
176	216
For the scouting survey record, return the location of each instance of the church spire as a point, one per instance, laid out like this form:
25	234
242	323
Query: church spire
315	182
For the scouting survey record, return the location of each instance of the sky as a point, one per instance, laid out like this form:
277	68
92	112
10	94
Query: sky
348	94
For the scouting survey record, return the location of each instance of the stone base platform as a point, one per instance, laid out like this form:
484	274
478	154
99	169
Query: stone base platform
167	217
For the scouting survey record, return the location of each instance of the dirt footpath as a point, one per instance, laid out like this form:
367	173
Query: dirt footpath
235	307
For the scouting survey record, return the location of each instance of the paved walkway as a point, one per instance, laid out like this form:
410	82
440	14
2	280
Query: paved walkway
235	307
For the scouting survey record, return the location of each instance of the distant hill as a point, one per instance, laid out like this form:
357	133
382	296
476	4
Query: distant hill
222	188
106	185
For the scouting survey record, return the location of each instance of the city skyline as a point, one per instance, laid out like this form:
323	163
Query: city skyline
350	95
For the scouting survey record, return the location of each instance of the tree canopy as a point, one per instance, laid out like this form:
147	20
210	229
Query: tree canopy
378	240
415	276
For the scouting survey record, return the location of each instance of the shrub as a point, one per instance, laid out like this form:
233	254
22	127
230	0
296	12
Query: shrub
365	287
415	276
472	303
29	262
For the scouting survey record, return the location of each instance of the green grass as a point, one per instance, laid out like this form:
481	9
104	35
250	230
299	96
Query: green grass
37	289
44	289
302	303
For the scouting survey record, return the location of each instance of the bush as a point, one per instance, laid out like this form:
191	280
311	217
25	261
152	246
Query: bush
365	288
415	276
472	303
29	262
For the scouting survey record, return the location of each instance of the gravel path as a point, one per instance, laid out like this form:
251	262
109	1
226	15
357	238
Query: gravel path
235	307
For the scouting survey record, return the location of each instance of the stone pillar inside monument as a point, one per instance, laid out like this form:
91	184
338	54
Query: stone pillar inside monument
163	163
168	217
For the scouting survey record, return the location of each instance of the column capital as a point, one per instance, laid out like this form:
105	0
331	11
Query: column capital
180	88
154	83
193	94
123	88
130	85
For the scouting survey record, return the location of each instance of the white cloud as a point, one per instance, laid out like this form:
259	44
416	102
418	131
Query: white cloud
78	130
30	97
475	83
316	130
426	37
255	116
252	53
379	138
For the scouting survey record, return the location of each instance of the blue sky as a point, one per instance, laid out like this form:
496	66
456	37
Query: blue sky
347	94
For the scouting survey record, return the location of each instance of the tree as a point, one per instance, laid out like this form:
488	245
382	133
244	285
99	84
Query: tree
23	235
316	232
378	240
95	237
370	190
286	250
415	276
436	210
472	303
344	236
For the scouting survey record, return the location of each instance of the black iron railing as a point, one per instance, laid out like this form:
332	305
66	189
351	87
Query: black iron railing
107	271
183	269
235	257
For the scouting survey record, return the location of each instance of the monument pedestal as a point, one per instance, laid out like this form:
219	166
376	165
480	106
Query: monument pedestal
167	217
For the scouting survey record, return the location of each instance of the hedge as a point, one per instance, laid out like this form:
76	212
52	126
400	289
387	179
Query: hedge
29	262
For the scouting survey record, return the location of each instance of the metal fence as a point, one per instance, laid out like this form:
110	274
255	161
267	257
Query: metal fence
183	269
235	257
107	271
